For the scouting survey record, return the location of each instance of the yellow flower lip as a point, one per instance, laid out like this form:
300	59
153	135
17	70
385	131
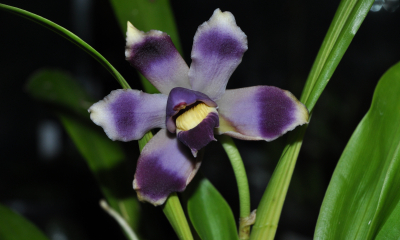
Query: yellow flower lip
193	116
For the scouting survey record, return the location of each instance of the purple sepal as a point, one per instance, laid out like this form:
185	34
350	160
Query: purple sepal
155	56
259	113
127	115
178	99
164	166
201	135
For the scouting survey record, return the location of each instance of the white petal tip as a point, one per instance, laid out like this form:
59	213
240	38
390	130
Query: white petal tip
219	16
133	34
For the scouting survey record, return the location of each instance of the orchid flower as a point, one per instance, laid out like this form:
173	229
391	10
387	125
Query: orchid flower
192	104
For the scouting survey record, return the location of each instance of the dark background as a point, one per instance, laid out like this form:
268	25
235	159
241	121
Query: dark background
42	175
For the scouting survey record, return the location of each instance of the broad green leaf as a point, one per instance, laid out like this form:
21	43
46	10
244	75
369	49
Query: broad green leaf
69	36
391	228
363	197
210	214
104	157
15	227
347	21
147	15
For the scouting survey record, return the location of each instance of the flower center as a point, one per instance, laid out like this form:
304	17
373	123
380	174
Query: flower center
193	116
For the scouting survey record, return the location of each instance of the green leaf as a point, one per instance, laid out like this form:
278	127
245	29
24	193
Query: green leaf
15	227
104	157
210	214
147	15
69	36
347	21
363	197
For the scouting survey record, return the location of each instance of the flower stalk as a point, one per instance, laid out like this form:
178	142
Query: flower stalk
242	183
120	220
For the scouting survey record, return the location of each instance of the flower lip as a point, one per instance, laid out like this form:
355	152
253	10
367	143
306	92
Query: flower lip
180	98
192	116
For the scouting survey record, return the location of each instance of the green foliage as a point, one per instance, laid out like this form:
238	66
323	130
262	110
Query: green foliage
105	158
16	227
363	197
345	24
210	214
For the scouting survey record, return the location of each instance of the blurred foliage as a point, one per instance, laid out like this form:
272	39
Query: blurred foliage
105	158
15	227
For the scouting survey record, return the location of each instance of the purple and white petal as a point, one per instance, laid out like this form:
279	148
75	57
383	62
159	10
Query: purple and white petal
201	135
218	47
180	98
259	113
164	166
154	55
127	115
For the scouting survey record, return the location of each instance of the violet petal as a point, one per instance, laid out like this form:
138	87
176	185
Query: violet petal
164	166
127	115
201	135
259	113
178	99
218	47
154	55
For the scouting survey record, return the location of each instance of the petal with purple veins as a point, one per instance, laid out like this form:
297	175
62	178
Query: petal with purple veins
259	113
180	98
154	55
218	48
164	166
127	115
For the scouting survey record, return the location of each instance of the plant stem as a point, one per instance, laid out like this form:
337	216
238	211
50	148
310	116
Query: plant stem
242	183
69	36
174	212
120	220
